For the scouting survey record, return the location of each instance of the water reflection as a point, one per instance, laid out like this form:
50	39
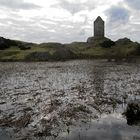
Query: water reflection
64	93
4	135
111	127
98	77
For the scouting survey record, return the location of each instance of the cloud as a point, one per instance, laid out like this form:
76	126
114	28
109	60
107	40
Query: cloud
133	3
18	4
71	7
117	14
66	20
118	22
76	6
46	30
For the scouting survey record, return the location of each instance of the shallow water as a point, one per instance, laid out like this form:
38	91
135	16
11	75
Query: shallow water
53	99
110	127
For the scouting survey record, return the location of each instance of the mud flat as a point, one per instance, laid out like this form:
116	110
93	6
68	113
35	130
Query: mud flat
80	99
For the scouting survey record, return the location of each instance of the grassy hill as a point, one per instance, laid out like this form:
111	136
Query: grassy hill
12	50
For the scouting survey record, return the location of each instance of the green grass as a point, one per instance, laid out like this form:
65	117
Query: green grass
84	49
95	51
59	51
77	47
125	50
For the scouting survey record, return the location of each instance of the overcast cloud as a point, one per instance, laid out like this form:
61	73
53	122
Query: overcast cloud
133	4
68	20
18	4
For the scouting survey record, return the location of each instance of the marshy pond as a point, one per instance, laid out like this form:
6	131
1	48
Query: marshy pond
72	100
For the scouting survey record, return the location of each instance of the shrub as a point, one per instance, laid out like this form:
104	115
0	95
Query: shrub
107	44
24	47
138	50
7	43
38	56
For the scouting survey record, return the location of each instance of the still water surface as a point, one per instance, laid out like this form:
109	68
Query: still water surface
74	100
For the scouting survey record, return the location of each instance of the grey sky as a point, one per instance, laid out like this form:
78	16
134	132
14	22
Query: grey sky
18	4
68	20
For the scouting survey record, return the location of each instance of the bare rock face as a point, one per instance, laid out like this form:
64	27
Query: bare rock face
133	113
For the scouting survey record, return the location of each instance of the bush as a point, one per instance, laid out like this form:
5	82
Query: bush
133	113
3	46
107	44
38	56
138	50
7	43
123	41
63	54
24	47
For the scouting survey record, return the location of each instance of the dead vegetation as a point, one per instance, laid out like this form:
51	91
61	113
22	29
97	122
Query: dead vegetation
44	99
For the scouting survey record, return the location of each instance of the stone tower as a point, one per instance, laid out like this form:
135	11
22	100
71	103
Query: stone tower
99	28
